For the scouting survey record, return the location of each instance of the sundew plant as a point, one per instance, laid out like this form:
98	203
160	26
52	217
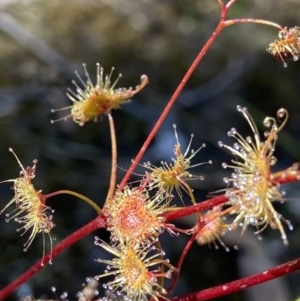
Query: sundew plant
163	226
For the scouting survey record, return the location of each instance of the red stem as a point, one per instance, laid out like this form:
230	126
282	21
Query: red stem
182	257
175	95
100	222
238	285
288	175
95	224
205	205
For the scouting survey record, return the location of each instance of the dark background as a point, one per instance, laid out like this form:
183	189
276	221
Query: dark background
43	42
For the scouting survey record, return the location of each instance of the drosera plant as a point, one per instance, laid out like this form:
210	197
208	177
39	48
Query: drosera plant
139	265
287	46
252	188
94	100
137	276
30	209
134	208
176	175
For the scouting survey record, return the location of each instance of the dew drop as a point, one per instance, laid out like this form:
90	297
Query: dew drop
220	144
226	180
292	263
291	227
265	272
64	295
243	286
236	247
285	65
236	146
53	289
224	287
239	108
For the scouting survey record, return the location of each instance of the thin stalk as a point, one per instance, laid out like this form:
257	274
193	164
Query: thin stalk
161	265
113	175
190	193
255	21
182	257
241	284
78	195
230	3
205	205
178	90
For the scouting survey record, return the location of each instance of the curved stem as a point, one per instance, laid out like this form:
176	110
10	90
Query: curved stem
190	193
98	222
230	3
178	90
113	175
78	195
289	175
161	265
255	21
238	285
182	257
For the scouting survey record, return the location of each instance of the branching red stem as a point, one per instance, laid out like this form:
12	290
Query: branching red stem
99	222
288	175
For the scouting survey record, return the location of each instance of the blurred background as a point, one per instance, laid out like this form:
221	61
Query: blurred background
42	43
